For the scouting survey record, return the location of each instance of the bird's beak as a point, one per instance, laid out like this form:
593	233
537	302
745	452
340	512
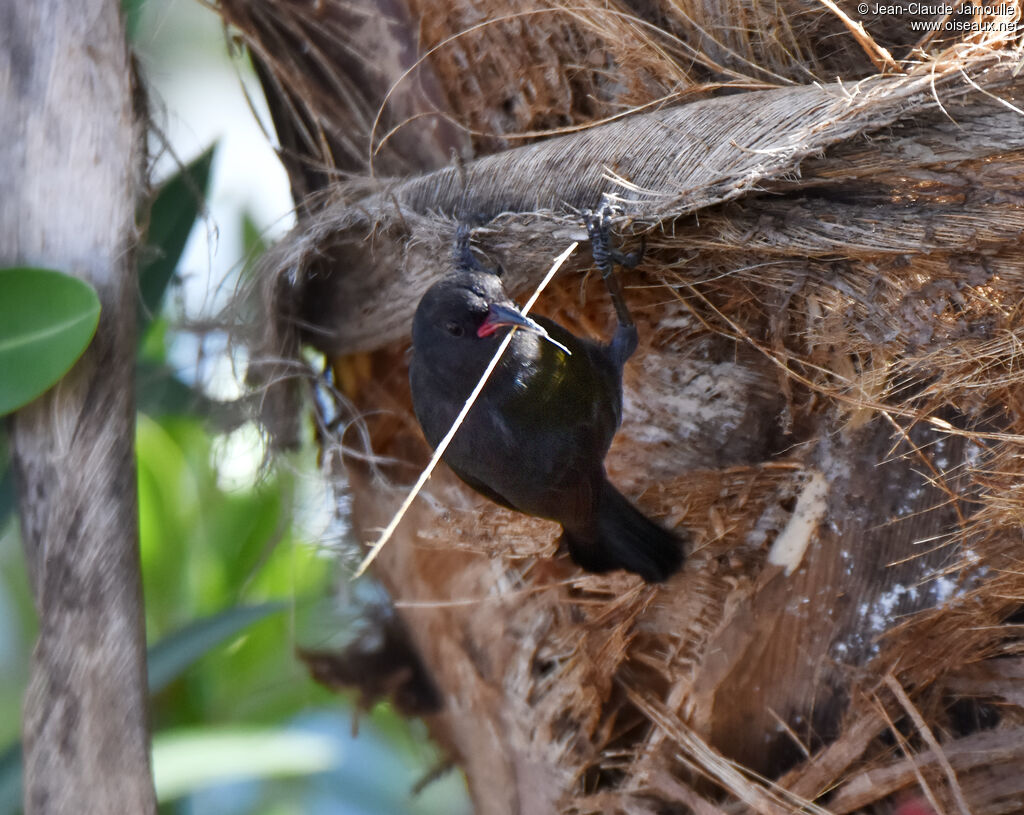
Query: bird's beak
499	315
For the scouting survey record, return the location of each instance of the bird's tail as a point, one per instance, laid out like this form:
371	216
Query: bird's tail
622	537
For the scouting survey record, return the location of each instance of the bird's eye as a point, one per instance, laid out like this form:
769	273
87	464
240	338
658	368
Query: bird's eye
454	329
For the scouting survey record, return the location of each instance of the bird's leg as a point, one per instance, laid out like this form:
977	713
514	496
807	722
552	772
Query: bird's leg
599	229
462	253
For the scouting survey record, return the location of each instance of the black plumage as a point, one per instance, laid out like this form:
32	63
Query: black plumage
536	438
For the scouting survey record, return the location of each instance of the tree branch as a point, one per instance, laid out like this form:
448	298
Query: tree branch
67	200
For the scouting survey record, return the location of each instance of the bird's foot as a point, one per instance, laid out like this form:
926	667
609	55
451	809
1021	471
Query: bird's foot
598	223
631	259
599	230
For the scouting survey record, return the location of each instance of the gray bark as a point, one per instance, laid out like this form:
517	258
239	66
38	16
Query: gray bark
69	152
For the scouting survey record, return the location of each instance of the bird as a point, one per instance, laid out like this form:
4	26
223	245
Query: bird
536	438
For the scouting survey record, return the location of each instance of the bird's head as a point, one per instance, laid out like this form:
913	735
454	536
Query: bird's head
460	319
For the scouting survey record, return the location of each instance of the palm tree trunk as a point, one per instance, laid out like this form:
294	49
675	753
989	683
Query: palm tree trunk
71	158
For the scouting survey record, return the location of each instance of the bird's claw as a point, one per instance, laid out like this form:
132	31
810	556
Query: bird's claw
599	229
630	259
599	221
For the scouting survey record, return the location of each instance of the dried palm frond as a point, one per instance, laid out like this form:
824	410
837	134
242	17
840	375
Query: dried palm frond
827	395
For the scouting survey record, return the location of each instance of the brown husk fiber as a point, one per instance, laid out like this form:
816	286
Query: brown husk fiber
831	356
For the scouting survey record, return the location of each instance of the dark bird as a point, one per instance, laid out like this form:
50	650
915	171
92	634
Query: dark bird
536	438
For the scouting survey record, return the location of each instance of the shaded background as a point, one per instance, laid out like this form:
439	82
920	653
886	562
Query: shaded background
243	729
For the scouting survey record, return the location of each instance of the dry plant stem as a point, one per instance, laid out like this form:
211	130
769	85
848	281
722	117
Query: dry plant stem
926	733
816	777
985	749
879	56
911	758
759	794
439	452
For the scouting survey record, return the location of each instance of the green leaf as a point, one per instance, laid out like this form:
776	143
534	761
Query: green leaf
161	393
185	761
132	11
172	656
46	321
174	210
254	243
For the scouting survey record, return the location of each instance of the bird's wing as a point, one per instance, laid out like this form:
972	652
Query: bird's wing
481	487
